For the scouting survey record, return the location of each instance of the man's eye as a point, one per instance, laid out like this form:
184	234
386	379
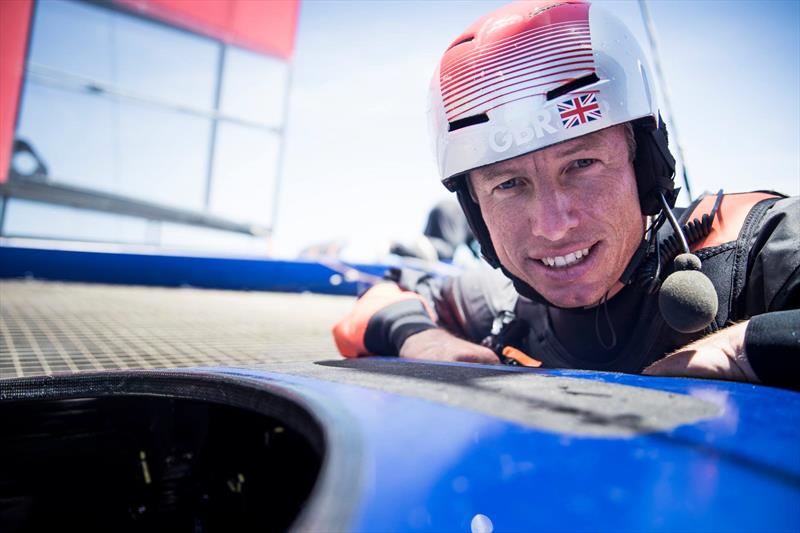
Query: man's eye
583	163
508	184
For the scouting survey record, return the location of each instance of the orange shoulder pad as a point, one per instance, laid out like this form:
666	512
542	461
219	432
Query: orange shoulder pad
730	216
349	332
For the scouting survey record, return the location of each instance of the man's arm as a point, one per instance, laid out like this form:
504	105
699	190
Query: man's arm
720	355
764	349
440	345
427	318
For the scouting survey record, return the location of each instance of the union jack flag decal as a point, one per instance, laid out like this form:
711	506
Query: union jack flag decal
579	110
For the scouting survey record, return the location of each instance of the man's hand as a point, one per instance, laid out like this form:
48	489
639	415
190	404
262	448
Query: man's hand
439	345
721	355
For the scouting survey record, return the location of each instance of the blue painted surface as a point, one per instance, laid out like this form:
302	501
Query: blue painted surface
431	467
180	271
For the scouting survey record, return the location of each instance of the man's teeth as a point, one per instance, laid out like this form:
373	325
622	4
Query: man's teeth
565	260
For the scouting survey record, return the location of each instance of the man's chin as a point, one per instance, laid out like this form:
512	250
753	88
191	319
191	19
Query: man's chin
573	303
570	298
568	295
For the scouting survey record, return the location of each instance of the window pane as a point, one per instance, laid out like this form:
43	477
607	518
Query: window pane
73	134
136	55
165	63
74	37
254	87
35	219
245	165
123	148
163	156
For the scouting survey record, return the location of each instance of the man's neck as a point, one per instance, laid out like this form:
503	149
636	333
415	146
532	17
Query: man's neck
587	332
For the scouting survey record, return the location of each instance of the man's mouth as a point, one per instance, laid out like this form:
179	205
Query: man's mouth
562	261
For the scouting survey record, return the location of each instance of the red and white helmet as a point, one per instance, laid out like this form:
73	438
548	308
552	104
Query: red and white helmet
530	75
536	73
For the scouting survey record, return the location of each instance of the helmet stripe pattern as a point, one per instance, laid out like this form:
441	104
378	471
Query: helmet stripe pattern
551	52
532	74
501	56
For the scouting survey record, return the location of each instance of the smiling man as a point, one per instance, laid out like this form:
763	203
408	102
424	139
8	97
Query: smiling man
546	127
566	218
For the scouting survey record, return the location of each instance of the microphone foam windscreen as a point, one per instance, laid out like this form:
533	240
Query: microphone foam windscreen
688	301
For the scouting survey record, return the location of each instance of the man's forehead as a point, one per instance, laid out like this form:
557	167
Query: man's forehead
598	139
595	140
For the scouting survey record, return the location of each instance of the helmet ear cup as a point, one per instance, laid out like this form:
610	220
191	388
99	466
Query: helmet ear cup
654	165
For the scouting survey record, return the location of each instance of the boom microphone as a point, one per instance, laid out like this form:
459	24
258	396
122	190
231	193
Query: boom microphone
687	299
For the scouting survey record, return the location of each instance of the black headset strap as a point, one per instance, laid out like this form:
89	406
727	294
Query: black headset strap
653	164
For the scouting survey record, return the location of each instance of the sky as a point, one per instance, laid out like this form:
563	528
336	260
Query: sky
358	165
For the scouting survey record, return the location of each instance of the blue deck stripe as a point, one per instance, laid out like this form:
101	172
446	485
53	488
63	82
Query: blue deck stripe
180	271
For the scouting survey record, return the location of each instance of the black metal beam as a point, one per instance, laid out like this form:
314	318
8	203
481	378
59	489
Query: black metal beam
110	203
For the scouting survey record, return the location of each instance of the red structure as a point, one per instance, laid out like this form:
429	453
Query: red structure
267	27
15	17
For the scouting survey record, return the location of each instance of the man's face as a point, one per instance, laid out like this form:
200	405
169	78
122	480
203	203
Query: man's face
547	209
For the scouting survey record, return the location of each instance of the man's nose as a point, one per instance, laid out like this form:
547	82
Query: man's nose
553	214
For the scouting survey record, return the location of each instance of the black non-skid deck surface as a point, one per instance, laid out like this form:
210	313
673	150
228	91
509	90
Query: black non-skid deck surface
48	328
60	327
